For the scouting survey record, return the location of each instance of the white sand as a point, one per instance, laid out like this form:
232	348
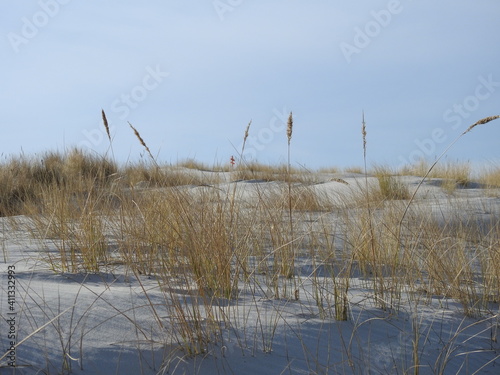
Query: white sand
103	324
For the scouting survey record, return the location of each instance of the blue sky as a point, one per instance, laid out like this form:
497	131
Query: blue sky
190	75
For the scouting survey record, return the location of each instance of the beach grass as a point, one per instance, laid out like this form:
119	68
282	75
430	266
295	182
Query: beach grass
262	232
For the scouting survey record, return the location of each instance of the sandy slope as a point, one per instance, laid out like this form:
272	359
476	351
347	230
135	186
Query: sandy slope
104	324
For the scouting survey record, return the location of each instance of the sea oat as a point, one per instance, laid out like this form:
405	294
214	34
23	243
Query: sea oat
105	121
480	122
245	137
246	131
363	131
289	128
141	141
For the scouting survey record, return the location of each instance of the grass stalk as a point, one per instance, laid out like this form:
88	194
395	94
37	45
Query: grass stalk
378	278
289	269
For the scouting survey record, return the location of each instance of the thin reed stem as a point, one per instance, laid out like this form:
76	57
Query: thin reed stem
378	278
289	131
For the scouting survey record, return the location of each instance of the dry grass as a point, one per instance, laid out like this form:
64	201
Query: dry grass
263	172
144	175
15	187
24	180
453	174
142	142
354	169
490	177
205	244
197	165
332	170
390	185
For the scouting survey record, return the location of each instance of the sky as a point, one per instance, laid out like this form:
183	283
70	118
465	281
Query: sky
190	76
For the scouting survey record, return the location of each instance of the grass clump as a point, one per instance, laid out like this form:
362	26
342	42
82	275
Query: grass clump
196	165
332	170
391	186
146	175
354	169
490	177
453	175
26	180
258	171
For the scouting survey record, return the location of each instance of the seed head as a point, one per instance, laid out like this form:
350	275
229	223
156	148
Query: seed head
363	131
481	122
289	128
140	139
246	131
105	122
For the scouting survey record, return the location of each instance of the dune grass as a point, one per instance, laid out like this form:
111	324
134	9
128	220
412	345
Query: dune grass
452	175
354	169
216	242
490	177
390	185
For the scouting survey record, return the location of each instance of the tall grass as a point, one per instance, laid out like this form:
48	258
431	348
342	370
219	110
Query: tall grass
452	175
209	244
489	177
390	185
